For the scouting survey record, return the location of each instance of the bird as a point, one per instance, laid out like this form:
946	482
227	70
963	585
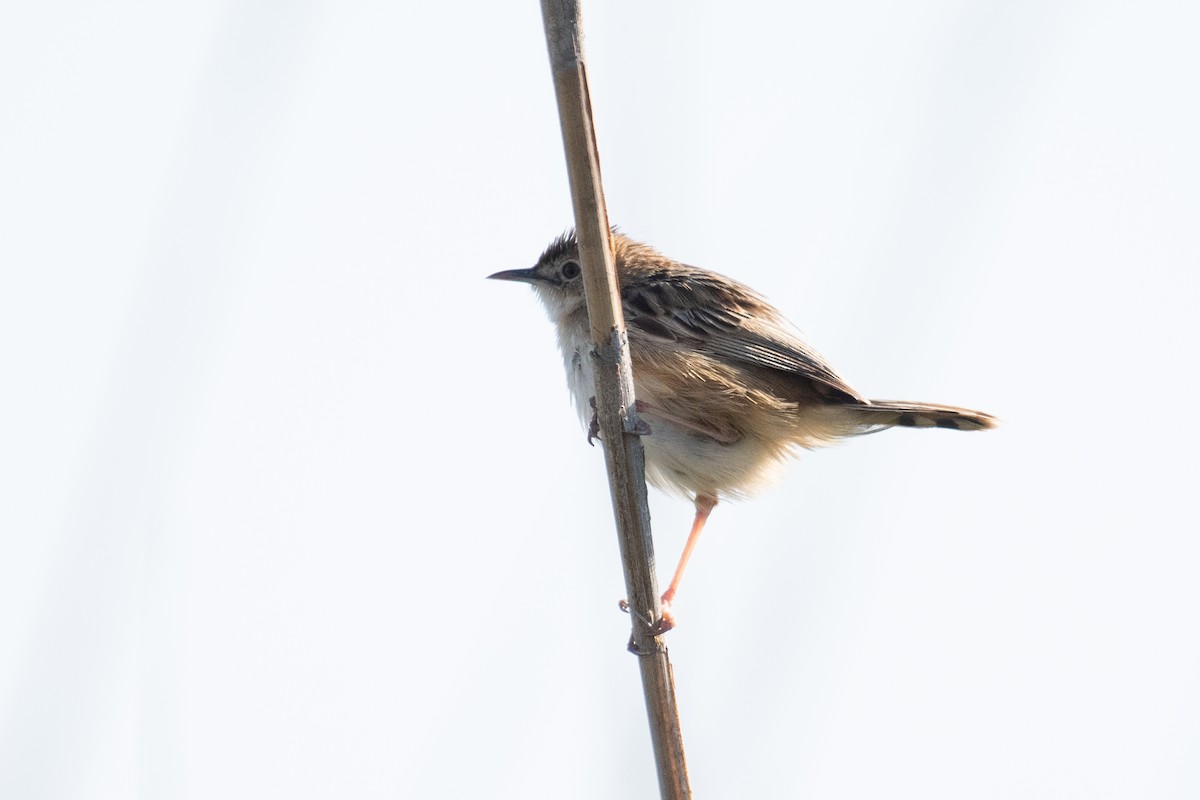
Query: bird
727	388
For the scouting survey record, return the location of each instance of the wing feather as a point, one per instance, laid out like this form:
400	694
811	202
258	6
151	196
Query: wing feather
715	316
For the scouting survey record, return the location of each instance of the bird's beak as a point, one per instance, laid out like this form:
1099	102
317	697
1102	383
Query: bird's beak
523	275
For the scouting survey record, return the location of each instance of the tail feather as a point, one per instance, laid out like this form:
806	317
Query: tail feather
880	414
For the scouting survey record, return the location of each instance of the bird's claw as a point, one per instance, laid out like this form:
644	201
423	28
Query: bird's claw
633	423
664	623
639	427
594	424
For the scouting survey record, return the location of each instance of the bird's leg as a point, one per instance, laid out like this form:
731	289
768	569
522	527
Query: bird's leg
704	506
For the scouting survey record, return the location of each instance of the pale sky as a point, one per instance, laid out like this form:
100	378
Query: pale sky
295	503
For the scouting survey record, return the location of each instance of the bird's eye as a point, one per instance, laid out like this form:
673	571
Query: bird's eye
569	270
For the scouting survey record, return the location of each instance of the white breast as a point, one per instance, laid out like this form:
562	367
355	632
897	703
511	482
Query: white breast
576	348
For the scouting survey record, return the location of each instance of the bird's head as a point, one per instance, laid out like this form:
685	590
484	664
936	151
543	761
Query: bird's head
557	277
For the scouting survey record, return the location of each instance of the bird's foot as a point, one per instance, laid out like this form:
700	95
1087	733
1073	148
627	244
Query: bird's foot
664	623
594	424
638	426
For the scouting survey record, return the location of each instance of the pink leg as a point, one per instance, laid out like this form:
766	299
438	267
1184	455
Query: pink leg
704	506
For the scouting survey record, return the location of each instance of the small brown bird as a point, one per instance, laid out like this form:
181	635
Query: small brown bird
727	386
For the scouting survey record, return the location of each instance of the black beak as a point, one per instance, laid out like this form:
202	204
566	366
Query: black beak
522	275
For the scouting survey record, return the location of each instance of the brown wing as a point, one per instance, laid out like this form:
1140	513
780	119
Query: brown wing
720	318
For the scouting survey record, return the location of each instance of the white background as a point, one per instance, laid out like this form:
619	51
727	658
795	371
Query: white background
293	502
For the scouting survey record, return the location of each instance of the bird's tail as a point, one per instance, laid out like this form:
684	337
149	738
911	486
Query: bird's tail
880	414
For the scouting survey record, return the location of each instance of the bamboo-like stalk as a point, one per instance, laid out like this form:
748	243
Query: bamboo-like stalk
615	408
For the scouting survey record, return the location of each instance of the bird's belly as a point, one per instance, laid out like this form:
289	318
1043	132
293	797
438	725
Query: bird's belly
682	460
678	458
